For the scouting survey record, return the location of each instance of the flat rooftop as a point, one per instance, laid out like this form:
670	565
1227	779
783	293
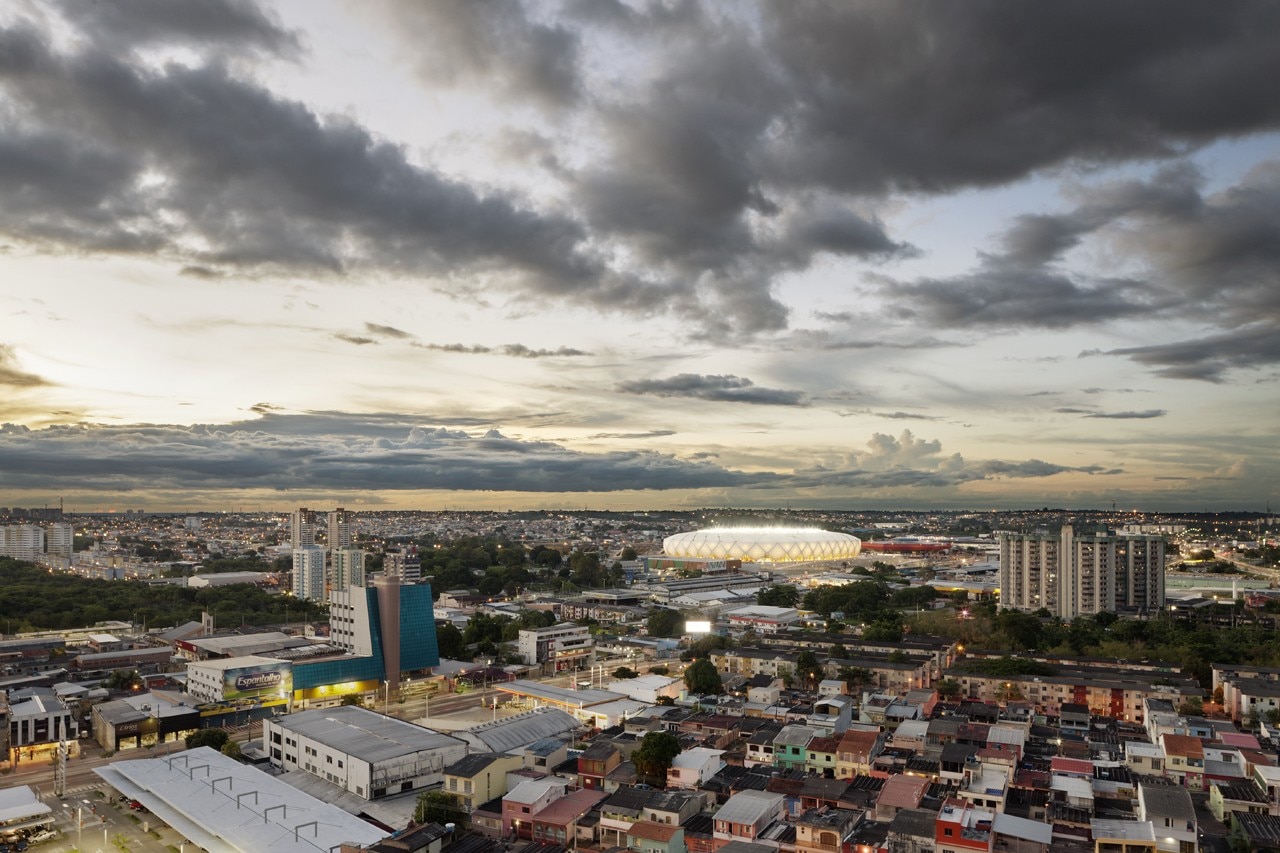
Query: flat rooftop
559	695
364	734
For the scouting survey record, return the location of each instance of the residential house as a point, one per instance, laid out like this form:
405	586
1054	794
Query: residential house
649	837
825	830
596	762
790	746
478	778
619	812
693	767
1173	815
900	792
820	756
1225	800
524	801
673	807
557	822
912	831
1122	836
745	815
856	752
962	827
1184	760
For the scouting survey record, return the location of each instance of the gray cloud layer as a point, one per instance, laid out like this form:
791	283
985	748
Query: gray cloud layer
336	451
722	389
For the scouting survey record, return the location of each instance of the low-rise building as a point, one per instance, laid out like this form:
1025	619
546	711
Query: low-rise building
559	648
478	778
746	814
692	768
368	754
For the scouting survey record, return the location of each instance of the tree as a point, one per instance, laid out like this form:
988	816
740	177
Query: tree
703	678
663	622
778	595
439	807
625	672
654	756
122	679
883	631
808	667
839	652
231	749
948	688
449	641
215	738
1193	706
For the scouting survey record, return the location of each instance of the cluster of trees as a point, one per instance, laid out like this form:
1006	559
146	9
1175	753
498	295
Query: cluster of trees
484	633
41	601
218	739
496	565
868	601
1190	647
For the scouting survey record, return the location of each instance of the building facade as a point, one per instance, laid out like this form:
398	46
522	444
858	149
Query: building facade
563	647
1072	573
348	568
308	572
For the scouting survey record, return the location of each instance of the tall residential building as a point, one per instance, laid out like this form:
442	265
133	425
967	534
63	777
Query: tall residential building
1074	573
22	542
404	564
308	572
302	528
60	539
348	568
339	529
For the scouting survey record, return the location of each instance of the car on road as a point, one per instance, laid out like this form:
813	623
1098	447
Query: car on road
137	806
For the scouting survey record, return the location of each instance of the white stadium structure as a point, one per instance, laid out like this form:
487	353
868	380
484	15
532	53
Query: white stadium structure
763	544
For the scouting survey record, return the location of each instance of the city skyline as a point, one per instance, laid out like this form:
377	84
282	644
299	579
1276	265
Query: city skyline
639	255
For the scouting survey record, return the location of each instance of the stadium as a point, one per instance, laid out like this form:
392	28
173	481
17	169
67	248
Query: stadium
763	544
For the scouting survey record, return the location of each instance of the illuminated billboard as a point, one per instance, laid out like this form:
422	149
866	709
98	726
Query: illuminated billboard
697	627
259	681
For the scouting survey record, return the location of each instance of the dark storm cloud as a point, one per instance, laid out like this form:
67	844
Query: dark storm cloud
1211	258
729	146
717	388
934	95
14	377
337	451
264	183
1210	358
231	24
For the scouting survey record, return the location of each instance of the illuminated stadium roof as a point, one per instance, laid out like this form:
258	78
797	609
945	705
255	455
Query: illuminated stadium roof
763	544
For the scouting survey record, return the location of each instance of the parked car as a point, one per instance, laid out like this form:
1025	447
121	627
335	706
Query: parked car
137	806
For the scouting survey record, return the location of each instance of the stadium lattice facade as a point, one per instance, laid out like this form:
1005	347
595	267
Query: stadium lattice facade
763	544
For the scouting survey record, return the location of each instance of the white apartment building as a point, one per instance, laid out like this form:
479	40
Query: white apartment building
350	627
360	751
565	646
22	542
1072	573
60	540
308	572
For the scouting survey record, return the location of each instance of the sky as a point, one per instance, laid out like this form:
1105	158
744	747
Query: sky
634	254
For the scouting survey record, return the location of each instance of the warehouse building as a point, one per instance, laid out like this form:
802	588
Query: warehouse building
360	751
